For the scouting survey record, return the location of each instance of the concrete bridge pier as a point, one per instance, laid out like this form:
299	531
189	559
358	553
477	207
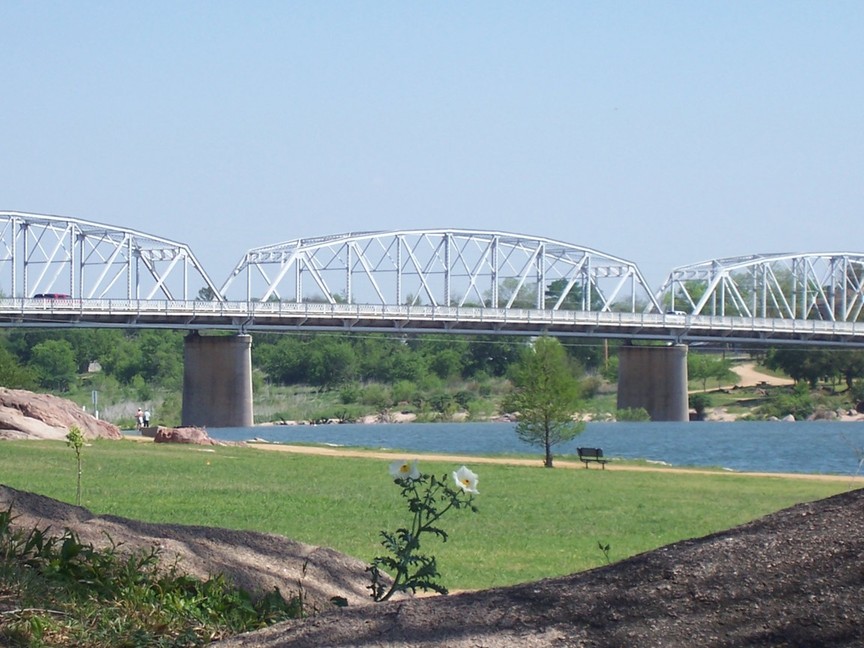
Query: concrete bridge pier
654	377
217	381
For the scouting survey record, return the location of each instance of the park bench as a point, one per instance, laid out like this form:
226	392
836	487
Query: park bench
592	454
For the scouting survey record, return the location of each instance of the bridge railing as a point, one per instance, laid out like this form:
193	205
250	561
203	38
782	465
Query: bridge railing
250	316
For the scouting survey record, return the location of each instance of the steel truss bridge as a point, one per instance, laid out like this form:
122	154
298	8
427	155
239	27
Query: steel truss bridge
65	272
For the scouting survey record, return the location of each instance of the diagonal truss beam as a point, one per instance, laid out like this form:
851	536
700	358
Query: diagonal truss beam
43	254
443	267
826	286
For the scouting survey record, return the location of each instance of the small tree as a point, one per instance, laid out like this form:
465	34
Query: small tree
702	367
75	440
544	397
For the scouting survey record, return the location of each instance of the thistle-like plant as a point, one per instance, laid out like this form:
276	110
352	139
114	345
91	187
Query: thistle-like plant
428	498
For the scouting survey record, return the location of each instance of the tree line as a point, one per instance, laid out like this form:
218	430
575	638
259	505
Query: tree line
54	360
435	373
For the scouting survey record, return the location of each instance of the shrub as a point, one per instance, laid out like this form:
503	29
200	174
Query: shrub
591	386
798	403
350	393
377	396
633	414
700	402
102	597
404	391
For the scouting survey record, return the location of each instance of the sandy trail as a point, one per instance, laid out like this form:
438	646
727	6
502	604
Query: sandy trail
537	463
750	377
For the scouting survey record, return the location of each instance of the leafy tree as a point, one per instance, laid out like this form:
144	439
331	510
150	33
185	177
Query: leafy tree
524	296
332	361
446	364
286	361
492	354
856	392
445	357
13	375
544	397
92	345
680	300
850	365
162	358
701	366
590	354
123	360
574	299
388	359
54	363
802	364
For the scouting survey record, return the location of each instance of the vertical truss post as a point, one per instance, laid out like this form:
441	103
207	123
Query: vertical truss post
81	254
72	247
400	241
248	282
448	241
298	280
348	266
16	233
540	298
587	291
494	273
844	289
25	267
794	288
764	273
134	275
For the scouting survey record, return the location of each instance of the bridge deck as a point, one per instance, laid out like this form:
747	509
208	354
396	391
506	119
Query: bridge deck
282	316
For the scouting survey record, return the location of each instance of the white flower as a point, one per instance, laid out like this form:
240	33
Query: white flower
466	480
405	470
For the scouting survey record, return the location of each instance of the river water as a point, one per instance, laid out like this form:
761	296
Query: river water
817	447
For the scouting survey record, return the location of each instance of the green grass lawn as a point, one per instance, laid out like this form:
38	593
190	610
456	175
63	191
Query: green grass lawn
532	523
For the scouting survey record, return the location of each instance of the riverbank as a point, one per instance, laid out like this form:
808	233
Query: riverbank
538	463
810	447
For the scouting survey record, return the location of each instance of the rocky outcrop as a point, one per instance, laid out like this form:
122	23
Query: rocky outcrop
193	435
28	415
256	562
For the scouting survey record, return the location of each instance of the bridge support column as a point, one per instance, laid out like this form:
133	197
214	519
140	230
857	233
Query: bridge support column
217	381
654	377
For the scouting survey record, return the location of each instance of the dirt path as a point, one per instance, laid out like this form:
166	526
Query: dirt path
750	377
515	461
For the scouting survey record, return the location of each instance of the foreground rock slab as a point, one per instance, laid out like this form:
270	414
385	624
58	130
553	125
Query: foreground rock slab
257	562
794	579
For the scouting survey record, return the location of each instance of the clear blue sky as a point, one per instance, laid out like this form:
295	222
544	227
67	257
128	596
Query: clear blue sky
661	132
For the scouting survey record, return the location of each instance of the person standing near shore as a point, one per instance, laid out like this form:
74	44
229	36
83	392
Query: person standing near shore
139	419
147	418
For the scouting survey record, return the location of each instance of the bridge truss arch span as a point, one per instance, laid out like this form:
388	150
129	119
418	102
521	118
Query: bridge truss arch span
442	267
826	286
79	259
